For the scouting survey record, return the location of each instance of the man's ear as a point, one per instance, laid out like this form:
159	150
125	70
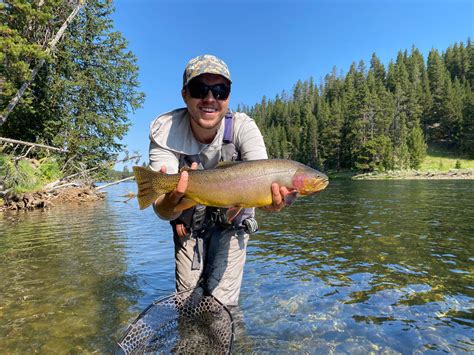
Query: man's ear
183	94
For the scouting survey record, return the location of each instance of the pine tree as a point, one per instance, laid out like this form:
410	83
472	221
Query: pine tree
452	111
399	130
416	146
93	81
467	133
470	60
309	144
377	68
349	129
437	78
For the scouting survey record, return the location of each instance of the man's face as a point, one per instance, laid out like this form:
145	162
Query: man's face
206	113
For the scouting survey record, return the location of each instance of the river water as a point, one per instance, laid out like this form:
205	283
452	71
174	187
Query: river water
365	266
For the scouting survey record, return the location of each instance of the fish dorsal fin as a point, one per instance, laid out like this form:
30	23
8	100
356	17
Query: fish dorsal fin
226	164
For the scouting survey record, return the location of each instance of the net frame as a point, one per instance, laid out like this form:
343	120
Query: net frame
189	321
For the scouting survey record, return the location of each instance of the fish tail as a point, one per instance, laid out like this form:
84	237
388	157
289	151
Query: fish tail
147	193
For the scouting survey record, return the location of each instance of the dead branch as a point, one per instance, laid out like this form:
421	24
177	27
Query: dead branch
114	183
17	142
82	172
24	155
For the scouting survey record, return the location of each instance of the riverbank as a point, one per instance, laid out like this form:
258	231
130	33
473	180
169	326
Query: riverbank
453	174
44	200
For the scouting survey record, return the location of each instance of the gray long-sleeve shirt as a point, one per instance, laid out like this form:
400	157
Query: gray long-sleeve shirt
171	136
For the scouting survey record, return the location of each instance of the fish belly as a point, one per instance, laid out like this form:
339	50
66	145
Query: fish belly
249	192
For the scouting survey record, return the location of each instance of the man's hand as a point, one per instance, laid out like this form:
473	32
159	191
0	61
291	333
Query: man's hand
165	204
278	198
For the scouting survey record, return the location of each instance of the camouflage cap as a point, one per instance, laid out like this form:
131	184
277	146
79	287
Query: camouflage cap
205	64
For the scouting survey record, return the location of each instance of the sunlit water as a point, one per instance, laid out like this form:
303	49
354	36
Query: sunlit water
365	266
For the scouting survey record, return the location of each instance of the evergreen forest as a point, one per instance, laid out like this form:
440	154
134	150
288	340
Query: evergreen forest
375	118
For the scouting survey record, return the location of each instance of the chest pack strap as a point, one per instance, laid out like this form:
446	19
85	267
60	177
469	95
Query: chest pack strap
228	128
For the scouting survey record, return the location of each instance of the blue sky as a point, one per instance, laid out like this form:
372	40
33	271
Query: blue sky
270	44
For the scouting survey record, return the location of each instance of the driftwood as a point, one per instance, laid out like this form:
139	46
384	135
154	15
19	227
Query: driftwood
64	185
114	183
52	185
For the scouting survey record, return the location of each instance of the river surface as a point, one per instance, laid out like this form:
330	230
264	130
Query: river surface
365	266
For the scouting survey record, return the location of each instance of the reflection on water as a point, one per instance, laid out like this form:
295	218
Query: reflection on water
378	266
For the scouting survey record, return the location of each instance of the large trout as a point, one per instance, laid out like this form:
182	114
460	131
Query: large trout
237	184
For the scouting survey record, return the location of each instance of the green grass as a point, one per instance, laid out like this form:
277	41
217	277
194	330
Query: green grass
441	159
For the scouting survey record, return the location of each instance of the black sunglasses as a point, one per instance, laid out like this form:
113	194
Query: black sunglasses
199	90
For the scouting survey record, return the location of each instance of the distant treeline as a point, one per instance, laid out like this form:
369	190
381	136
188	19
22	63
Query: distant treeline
377	118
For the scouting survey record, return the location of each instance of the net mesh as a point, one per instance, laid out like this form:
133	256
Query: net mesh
186	322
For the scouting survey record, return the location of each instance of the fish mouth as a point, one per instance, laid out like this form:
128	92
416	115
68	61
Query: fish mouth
315	187
322	184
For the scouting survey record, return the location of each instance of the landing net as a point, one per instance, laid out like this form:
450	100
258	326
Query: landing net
186	322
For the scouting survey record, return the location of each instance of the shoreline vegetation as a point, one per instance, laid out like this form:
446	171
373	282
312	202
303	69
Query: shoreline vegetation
42	189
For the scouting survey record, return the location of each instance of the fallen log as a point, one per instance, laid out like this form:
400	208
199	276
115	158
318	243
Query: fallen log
29	144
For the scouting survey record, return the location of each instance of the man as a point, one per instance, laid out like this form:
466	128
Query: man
209	249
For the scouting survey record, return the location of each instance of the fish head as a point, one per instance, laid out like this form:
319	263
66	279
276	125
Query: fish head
308	181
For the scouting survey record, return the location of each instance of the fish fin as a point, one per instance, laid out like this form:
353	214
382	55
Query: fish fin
226	164
290	198
232	212
184	204
146	194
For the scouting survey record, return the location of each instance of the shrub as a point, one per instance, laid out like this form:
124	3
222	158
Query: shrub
19	175
22	176
49	170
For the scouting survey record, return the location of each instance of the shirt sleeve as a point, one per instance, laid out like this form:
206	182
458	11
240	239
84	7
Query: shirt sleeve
250	141
160	156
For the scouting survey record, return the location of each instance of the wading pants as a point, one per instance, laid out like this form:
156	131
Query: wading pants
221	267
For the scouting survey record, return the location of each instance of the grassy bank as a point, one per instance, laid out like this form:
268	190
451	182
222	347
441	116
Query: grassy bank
440	159
439	163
